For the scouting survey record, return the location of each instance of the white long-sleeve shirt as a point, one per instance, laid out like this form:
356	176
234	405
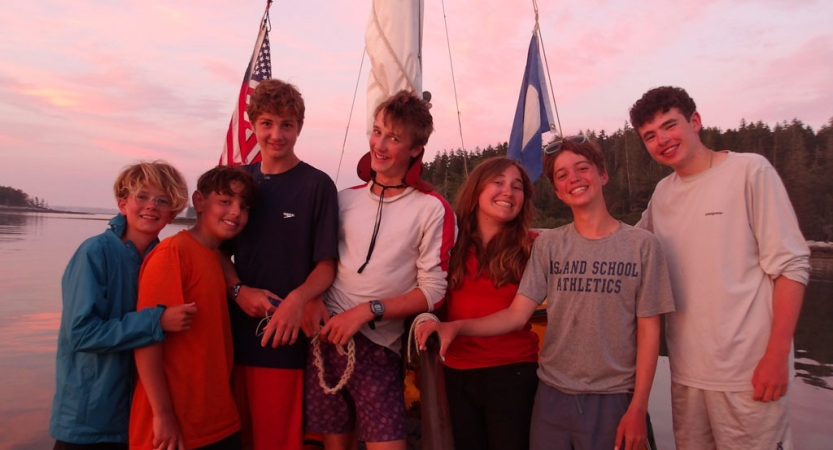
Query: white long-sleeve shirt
416	234
727	232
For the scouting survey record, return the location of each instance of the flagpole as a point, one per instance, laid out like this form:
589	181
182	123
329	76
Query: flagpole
537	30
240	144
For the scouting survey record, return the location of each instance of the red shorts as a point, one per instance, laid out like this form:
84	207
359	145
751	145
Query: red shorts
271	405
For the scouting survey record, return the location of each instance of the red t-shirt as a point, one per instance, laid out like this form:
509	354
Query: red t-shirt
197	362
478	297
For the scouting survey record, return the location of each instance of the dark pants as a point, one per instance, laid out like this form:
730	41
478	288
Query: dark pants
230	443
491	407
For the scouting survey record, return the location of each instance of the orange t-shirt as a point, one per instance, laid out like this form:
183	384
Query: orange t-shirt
478	297
197	362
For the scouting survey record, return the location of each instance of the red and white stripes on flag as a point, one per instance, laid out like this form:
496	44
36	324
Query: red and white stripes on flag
241	144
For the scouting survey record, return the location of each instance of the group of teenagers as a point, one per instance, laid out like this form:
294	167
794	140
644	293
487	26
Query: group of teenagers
232	334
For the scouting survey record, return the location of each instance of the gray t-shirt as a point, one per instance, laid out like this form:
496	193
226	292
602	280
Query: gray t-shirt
595	290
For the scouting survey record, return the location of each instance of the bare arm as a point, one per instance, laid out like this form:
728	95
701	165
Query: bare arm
771	376
501	322
286	322
150	365
253	301
632	427
342	327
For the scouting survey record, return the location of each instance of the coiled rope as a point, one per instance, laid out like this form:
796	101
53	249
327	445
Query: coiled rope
419	320
350	353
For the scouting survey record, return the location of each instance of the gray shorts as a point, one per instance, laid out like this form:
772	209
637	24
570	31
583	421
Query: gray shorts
582	421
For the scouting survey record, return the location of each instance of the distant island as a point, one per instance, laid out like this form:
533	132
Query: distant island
12	199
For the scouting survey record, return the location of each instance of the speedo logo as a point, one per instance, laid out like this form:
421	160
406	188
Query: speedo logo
287	215
716	213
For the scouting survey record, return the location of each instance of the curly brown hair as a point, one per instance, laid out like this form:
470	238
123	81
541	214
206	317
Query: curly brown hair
276	97
661	100
505	256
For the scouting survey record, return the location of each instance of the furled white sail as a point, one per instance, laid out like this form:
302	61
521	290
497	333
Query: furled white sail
393	41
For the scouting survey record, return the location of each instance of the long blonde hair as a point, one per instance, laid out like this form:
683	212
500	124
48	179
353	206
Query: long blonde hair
505	256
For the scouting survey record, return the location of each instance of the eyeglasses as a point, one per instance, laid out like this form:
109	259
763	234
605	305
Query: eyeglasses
555	146
162	203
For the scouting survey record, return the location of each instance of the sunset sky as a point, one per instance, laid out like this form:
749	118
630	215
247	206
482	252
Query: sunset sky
87	87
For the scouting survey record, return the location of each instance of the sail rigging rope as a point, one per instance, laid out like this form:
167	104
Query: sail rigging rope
457	103
352	104
547	65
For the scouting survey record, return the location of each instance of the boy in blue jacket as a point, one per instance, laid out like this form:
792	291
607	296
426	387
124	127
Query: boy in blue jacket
100	326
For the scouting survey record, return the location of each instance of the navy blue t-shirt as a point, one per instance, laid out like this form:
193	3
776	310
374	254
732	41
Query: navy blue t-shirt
293	225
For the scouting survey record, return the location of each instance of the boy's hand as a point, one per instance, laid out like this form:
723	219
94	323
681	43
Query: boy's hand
255	302
447	332
771	378
178	318
166	434
632	429
341	327
285	323
315	316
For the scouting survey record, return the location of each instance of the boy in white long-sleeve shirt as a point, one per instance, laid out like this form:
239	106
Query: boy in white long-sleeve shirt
738	265
395	236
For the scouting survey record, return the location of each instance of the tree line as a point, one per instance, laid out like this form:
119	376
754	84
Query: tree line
802	157
10	196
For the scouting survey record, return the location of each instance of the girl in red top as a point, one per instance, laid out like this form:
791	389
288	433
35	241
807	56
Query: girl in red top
491	381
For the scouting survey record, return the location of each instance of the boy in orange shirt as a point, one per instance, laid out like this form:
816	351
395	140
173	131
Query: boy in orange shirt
183	399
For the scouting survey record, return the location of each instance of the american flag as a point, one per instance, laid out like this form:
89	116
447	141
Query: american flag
241	145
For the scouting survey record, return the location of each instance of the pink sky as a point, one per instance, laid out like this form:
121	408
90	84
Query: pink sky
87	87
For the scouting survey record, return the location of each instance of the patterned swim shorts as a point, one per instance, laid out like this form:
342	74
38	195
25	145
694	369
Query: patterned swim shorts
373	398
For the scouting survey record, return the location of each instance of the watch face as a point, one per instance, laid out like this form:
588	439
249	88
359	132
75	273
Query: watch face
377	307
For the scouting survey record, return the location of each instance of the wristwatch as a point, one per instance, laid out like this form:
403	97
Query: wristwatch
234	291
378	310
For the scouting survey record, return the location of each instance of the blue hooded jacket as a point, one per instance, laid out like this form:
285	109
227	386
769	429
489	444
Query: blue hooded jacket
100	327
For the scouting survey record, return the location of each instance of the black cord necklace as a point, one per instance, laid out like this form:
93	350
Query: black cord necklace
378	219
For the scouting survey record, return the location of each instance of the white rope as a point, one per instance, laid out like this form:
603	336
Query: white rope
348	370
419	320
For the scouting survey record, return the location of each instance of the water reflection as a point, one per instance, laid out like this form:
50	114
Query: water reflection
12	225
814	333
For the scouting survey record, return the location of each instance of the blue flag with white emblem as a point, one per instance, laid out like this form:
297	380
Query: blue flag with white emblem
533	115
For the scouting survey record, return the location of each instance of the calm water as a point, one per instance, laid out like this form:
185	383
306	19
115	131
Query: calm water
34	249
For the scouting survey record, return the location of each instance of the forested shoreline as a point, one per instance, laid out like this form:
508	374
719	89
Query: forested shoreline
802	157
15	198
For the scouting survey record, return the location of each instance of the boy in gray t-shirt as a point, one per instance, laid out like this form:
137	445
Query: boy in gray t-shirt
606	283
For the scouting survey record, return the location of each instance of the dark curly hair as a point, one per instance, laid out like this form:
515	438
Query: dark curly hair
661	100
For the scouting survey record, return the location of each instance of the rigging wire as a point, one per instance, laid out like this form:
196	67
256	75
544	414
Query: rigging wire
267	21
457	103
547	65
355	92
